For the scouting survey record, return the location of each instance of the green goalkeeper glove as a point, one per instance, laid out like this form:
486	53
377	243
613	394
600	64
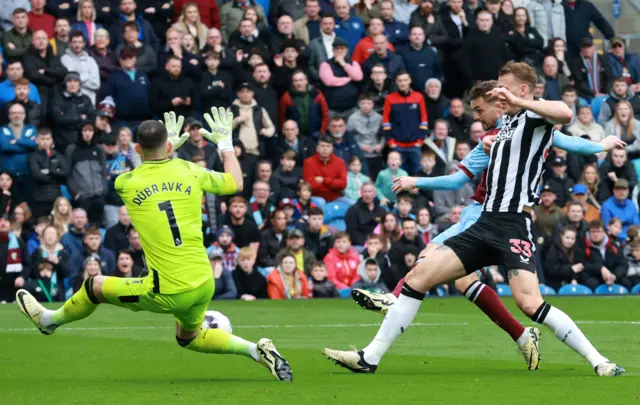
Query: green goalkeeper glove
221	128
173	126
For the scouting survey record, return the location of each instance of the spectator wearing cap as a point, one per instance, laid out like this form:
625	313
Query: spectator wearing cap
15	72
392	62
43	69
285	179
86	21
560	182
232	13
548	213
104	56
173	91
365	126
146	58
41	20
579	15
420	60
32	109
305	105
344	144
224	285
444	200
104	114
591	71
616	166
396	31
348	27
128	14
363	216
117	236
198	146
129	90
216	86
325	171
76	59
266	96
307	27
272	239
17	39
624	64
295	247
340	77
49	171
286	65
14	261
424	17
321	47
60	42
620	206
116	164
71	109
581	195
303	146
225	248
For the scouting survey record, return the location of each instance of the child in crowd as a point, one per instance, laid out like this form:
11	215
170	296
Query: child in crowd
614	229
303	203
287	206
355	179
342	262
225	288
570	98
34	239
404	207
386	176
284	181
427	169
321	287
45	286
632	277
370	277
251	285
373	249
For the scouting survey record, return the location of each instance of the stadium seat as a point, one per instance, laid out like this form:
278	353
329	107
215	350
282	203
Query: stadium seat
546	290
503	290
582	101
338	224
596	105
613	289
336	209
441	292
345	293
636	289
319	201
574	289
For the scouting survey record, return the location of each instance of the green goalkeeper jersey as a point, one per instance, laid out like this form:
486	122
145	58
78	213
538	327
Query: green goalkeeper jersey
164	200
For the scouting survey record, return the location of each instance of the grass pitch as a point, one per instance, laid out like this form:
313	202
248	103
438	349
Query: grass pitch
452	355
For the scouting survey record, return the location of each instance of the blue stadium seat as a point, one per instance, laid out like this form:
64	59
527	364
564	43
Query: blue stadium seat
613	289
546	290
636	289
336	209
338	224
441	292
319	201
503	290
582	101
596	106
345	293
574	289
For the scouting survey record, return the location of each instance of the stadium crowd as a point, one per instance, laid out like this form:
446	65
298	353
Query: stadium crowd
332	101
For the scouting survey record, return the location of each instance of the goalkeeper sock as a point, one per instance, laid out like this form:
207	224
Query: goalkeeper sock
568	333
79	306
397	320
219	341
487	300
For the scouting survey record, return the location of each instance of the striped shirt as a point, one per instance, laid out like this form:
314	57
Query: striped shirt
517	162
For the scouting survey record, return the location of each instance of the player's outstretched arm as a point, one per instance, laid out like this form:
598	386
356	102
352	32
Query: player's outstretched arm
173	125
583	146
220	121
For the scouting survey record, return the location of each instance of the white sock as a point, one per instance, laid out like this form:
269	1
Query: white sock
569	333
395	323
523	338
45	318
253	351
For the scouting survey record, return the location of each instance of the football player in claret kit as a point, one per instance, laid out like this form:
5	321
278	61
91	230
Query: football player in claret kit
163	197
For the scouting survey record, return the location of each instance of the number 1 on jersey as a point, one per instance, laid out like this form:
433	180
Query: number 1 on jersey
173	224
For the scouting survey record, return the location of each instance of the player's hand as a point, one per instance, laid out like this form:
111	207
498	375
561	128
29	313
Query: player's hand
611	142
403	183
504	96
174	125
220	121
487	142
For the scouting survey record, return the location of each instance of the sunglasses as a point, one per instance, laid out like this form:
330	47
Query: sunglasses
617	45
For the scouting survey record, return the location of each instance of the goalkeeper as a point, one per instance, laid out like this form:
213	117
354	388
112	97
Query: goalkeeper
163	197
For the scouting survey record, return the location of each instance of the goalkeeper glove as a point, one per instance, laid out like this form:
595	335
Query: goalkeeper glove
173	126
221	128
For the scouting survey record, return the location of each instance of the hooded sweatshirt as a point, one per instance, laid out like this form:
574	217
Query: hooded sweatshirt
342	268
365	283
87	68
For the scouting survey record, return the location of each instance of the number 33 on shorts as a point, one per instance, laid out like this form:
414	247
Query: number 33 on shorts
523	248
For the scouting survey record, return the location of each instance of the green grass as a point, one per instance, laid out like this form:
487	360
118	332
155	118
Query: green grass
453	356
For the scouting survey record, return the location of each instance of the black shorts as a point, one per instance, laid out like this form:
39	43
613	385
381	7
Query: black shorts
496	239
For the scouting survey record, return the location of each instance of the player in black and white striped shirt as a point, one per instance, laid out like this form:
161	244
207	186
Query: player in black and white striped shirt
502	235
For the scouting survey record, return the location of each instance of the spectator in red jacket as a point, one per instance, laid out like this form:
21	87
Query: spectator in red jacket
208	9
326	172
315	119
39	20
342	262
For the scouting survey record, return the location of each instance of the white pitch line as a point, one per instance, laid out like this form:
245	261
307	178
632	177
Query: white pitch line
345	325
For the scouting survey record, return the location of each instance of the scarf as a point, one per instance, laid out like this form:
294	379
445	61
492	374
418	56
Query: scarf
593	72
14	253
256	211
49	291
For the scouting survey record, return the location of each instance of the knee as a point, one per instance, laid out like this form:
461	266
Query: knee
463	283
96	287
529	304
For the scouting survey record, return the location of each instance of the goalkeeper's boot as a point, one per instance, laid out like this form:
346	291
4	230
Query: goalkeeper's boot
352	360
33	310
373	301
609	369
271	359
530	350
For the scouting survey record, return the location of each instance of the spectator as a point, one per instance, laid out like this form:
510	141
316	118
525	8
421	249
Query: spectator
60	43
22	225
50	249
632	255
374	250
91	267
287	281
421	61
570	98
288	63
475	133
266	96
285	36
175	92
355	179
616	166
620	91
620	206
614	229
117	236
304	147
344	143
16	41
14	261
383	56
426	229
225	248
246	40
558	48
224	286
286	178
339	76
259	204
305	259
388	230
363	216
128	14
623	125
91	246
49	171
71	109
449	33
365	126
579	14
403	9
427	169
87	174
250	284
441	144
272	239
303	204
591	179
379	85
208	12
32	109
396	31
125	266
15	73
326	172
61	214
245	230
624	64
348	27
342	262
575	219
525	41
321	286
321	47
548	213
17	141
445	200
370	275
307	27
314	119
86	21
404	207
424	17
408	241
554	80
135	247
40	20
191	64
116	164
190	22
560	182
462	150
216	86
581	195
586	125
317	236
459	122
232	13
603	262
548	18
106	59
146	58
436	103
560	266
591	72
76	59
198	146
384	181
365	46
